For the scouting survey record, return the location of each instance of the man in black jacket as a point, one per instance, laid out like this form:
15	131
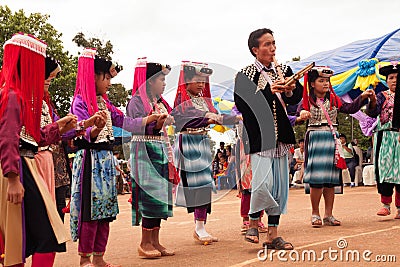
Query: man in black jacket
261	96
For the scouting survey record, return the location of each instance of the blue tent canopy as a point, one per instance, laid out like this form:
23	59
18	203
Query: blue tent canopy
347	57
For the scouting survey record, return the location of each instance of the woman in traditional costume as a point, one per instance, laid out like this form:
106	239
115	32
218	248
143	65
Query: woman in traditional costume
193	113
93	190
51	156
321	105
151	187
386	145
29	222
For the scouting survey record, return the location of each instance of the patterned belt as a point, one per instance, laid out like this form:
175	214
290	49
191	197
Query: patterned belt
27	153
201	130
45	148
147	138
320	128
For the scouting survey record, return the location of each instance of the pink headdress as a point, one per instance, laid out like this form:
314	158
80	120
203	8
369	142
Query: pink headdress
85	81
139	83
143	71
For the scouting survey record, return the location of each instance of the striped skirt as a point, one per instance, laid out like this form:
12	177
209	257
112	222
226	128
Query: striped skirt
387	155
151	189
319	167
194	159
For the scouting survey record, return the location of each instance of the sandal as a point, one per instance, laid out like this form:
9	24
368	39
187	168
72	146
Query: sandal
148	254
252	232
383	212
397	215
244	227
214	239
262	228
203	240
278	244
331	221
167	252
316	221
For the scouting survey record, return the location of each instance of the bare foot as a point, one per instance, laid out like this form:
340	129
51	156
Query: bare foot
159	247
85	261
98	261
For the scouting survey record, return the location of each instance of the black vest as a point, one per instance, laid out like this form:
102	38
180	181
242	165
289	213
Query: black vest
264	117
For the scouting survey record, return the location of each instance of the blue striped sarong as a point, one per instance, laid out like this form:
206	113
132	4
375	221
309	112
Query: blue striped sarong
319	167
193	156
151	189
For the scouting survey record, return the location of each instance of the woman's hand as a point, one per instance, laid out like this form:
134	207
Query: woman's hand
169	120
305	115
160	121
101	120
151	118
98	118
369	94
67	123
15	189
238	118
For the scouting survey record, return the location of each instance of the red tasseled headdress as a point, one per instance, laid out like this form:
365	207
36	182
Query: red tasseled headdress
182	95
322	72
23	72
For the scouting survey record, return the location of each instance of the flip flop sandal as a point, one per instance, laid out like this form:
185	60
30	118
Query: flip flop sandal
278	244
262	228
383	212
316	221
202	240
331	221
252	232
244	227
397	215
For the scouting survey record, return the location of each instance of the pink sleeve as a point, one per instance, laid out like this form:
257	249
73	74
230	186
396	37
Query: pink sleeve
10	127
49	134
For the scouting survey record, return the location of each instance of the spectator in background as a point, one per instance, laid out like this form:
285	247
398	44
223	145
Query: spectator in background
349	157
215	163
299	165
120	174
221	148
230	172
370	150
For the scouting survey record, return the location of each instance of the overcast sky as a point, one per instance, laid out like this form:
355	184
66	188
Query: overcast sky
213	30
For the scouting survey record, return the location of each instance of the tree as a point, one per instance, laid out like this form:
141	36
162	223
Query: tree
62	88
117	93
104	51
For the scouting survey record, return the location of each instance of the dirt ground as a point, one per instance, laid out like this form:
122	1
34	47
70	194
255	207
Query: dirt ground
374	239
